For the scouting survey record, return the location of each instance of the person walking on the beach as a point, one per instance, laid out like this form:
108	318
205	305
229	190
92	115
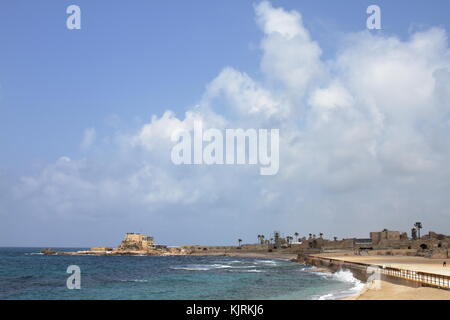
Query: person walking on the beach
444	264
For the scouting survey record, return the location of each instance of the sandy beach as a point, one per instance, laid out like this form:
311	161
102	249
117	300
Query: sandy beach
385	290
389	291
402	262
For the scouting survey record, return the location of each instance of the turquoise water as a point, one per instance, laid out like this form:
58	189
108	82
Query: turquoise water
26	274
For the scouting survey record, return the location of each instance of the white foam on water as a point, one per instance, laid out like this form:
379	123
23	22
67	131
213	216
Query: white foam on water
343	276
221	266
202	267
232	266
268	261
191	268
243	267
252	270
135	280
328	296
231	261
248	270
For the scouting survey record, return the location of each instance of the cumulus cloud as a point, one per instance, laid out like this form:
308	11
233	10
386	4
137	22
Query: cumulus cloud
243	96
88	139
290	57
364	145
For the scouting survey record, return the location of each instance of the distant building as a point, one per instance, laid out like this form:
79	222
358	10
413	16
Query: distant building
363	243
136	241
377	237
432	245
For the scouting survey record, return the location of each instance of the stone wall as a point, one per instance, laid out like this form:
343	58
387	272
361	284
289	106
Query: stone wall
359	271
378	237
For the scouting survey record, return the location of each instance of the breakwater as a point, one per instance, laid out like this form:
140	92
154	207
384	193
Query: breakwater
368	272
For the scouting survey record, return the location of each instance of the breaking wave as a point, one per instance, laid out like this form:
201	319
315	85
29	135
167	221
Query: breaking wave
204	267
345	276
232	266
135	280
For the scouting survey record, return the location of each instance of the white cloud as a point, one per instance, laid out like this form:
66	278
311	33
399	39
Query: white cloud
244	96
364	143
290	57
88	139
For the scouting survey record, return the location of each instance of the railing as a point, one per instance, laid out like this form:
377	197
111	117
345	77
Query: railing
424	278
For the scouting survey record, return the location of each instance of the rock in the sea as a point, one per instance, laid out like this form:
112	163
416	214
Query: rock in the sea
48	251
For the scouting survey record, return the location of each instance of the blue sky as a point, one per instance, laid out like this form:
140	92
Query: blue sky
135	60
131	61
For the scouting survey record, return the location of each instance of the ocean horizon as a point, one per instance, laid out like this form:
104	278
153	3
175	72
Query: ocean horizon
25	273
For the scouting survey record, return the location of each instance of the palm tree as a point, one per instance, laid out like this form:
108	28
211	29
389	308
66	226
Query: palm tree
335	238
321	235
414	233
262	239
418	226
296	236
239	241
310	235
288	239
259	238
271	240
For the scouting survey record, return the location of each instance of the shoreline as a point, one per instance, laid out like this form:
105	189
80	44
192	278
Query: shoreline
268	255
391	291
386	290
292	258
386	287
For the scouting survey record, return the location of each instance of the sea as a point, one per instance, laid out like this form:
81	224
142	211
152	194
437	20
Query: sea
25	273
